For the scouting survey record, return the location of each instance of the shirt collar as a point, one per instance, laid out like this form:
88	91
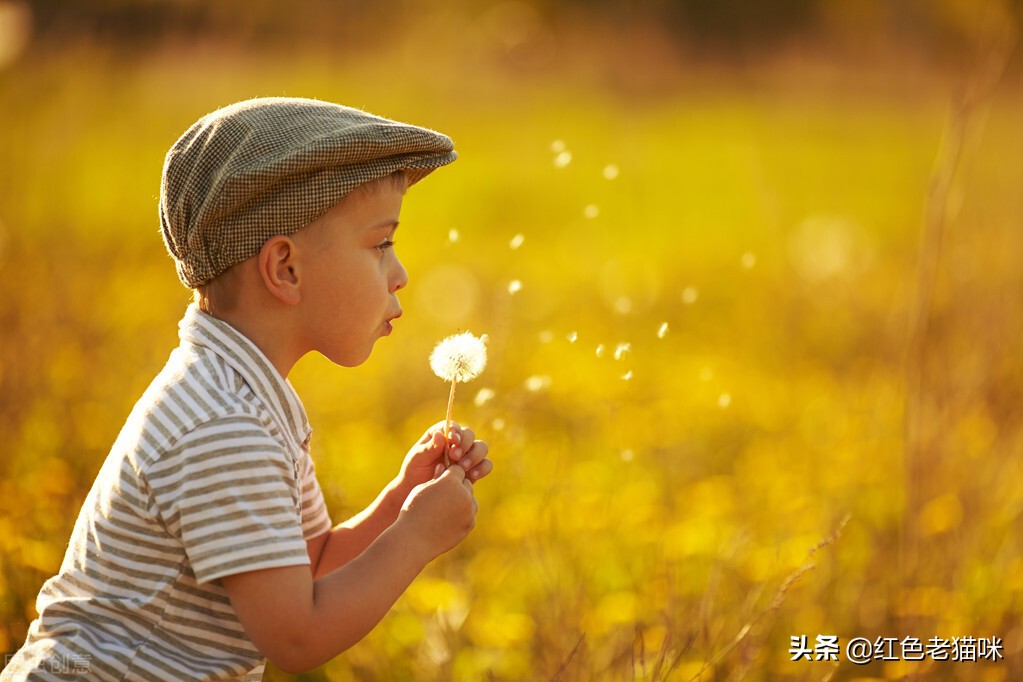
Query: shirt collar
234	348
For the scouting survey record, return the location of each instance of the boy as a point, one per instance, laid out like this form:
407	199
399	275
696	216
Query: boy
204	546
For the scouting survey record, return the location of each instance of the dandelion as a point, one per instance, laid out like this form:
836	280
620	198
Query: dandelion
460	357
516	241
662	331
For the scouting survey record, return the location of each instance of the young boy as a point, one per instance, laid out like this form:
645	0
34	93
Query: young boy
204	546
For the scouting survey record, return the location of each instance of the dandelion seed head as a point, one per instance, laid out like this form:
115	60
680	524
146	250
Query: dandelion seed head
591	211
483	396
748	260
516	241
563	159
610	171
724	400
621	349
662	331
689	295
459	357
514	286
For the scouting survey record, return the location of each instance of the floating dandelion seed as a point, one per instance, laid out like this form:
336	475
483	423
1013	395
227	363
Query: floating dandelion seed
572	337
610	171
706	374
591	211
724	400
623	305
600	350
558	146
514	286
749	259
546	336
483	396
563	159
627	376
662	331
516	241
459	357
621	349
537	382
628	455
689	295
497	424
452	236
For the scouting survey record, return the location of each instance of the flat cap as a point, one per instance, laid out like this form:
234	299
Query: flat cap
270	166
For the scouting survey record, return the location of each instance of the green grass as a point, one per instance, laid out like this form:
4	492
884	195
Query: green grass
631	527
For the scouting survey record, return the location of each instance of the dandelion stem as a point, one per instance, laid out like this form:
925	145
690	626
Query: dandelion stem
447	423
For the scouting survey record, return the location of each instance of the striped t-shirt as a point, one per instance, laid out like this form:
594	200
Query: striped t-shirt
210	477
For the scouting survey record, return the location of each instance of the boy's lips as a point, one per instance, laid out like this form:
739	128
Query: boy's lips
388	327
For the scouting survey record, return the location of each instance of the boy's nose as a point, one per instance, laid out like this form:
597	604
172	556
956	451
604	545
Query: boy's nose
399	276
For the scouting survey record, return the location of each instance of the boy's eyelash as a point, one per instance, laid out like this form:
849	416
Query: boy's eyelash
386	244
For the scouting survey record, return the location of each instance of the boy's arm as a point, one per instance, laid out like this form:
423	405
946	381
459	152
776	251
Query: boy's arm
348	540
299	623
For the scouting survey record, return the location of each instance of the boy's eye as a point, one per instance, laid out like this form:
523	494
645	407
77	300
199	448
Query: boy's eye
384	245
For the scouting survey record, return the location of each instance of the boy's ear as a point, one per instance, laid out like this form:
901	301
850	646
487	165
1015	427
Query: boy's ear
279	268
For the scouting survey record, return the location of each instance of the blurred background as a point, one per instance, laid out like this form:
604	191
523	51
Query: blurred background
751	273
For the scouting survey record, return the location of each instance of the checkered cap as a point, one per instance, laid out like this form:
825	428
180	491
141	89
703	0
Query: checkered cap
269	166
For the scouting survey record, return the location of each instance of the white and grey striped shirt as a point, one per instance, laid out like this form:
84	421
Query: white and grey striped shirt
210	476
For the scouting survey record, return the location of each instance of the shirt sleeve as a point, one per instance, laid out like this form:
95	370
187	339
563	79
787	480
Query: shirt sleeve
315	517
229	492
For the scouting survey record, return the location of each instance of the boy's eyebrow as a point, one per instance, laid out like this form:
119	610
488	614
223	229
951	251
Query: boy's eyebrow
386	225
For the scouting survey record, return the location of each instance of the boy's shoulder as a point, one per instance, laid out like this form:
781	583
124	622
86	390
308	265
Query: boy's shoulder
193	392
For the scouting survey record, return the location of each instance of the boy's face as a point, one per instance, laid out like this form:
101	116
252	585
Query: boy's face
351	275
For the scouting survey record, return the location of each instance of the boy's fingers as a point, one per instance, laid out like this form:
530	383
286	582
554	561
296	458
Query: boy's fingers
480	470
477	453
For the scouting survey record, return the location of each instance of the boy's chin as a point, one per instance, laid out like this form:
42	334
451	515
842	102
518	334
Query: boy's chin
349	359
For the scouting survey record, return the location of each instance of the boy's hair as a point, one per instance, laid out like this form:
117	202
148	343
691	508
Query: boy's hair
220	293
270	166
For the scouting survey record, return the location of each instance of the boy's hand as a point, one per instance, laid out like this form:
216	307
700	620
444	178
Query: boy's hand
440	513
465	451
